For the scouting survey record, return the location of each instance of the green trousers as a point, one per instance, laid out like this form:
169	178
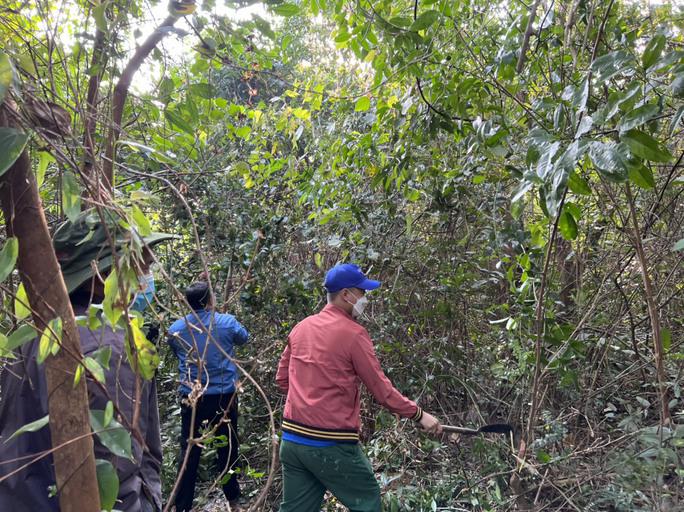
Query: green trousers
342	469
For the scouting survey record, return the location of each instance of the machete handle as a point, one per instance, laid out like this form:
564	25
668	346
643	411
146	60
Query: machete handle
495	428
460	430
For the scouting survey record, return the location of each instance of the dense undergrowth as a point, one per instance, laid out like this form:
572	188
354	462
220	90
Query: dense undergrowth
512	173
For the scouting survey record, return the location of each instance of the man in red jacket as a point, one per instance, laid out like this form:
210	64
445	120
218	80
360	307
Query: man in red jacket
327	356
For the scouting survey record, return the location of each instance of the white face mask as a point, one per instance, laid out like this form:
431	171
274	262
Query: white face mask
359	306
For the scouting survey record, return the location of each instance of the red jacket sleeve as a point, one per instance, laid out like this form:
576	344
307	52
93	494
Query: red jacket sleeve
282	375
368	368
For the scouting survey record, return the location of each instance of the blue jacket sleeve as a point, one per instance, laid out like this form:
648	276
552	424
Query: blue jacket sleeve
172	339
235	331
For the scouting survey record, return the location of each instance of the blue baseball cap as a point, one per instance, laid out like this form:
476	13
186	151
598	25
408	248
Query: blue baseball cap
347	275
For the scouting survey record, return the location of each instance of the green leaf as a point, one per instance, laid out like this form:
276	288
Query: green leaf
95	369
31	427
93	321
412	194
362	104
263	26
579	99
148	151
190	107
12	143
50	340
45	159
4	352
567	225
78	374
301	113
109	306
147	356
114	437
342	37
573	210
71	196
642	176
243	132
166	88
543	457
677	86
578	185
666	338
23	334
6	75
679	246
174	118
143	225
676	119
577	96
645	146
653	50
102	355
107	483
21	303
610	64
524	187
643	402
638	116
401	21
203	90
8	257
108	414
609	158
99	15
286	9
584	126
615	100
425	20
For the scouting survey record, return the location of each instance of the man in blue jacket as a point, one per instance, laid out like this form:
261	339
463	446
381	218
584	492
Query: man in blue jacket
204	342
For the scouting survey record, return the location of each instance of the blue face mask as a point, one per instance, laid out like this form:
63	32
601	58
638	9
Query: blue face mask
145	296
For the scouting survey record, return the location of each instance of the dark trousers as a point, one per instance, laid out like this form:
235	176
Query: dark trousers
210	409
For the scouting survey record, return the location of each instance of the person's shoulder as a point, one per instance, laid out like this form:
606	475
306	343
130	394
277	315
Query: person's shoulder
92	339
309	320
340	323
224	317
225	320
349	324
302	324
359	332
178	325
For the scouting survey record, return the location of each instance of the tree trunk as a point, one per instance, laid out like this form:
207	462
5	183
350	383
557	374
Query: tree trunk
90	120
566	262
658	351
39	271
526	39
121	93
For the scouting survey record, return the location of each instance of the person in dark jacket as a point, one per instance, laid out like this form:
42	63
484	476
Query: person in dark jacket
204	343
80	245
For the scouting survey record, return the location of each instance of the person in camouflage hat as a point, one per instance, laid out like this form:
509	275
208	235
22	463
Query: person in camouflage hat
84	250
85	241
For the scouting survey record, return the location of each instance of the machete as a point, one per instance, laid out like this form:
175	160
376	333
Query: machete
494	428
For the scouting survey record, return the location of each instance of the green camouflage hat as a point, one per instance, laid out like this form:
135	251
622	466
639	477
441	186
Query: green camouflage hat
79	242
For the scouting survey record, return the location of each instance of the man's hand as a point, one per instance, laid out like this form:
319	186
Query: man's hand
430	424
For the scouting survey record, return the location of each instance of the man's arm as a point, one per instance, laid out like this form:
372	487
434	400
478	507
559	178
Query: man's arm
367	367
237	332
283	373
173	338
